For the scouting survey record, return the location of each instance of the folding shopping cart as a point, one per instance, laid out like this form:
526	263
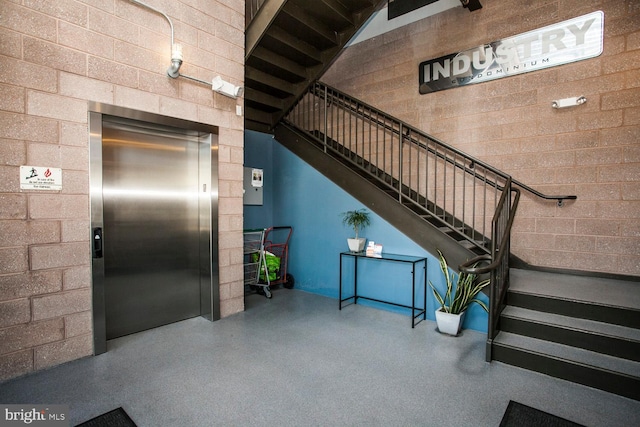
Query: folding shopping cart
276	243
266	259
254	259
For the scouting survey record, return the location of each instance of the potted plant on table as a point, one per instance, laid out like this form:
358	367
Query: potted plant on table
454	303
357	219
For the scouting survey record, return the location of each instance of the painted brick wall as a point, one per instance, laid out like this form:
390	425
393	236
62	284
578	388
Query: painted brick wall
55	56
592	151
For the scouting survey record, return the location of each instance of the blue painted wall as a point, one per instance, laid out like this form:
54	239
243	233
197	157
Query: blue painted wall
259	156
301	197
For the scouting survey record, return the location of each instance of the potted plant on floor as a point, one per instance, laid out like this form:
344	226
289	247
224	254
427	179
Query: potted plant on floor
455	302
357	219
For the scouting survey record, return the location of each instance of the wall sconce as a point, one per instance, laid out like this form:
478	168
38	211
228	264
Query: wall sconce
226	88
568	102
176	61
219	85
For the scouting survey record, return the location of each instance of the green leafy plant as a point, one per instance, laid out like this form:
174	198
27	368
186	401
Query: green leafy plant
357	219
466	290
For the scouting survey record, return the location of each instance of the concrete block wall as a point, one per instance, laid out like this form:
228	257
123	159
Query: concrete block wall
55	57
592	151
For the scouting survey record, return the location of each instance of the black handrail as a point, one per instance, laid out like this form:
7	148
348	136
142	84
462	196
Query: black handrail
410	129
473	161
536	193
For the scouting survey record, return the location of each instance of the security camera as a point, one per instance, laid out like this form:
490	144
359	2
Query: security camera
226	88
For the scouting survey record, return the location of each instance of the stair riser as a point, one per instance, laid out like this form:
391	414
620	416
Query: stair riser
617	347
613	315
603	380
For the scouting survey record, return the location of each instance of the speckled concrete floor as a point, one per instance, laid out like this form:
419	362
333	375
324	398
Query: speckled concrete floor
296	360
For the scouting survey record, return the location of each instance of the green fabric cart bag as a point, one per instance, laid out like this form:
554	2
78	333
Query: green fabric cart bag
273	265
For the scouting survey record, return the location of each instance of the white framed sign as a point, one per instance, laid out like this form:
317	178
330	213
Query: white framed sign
40	178
562	43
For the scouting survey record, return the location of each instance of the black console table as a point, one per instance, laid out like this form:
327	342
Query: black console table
414	261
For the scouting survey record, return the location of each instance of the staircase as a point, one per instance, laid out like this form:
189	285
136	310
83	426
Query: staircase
288	45
433	193
582	329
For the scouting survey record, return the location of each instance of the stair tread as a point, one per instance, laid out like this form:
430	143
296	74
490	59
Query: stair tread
595	290
561	351
568	322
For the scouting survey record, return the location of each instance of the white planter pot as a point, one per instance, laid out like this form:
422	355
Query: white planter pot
356	245
448	323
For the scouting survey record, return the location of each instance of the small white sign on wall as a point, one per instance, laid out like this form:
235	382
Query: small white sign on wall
40	178
256	177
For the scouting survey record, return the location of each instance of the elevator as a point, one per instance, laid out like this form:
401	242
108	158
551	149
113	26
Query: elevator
153	221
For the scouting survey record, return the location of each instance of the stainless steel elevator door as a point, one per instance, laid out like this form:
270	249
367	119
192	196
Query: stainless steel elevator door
150	190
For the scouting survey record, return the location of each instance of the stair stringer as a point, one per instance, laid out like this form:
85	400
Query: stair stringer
422	232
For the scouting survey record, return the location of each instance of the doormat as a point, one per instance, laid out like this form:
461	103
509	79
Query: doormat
116	418
519	415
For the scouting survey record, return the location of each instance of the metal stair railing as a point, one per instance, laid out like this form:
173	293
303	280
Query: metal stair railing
470	197
497	263
454	189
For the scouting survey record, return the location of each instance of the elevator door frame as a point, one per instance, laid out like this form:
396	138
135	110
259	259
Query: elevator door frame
208	208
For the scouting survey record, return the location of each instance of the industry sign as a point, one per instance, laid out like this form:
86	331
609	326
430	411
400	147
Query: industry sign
569	41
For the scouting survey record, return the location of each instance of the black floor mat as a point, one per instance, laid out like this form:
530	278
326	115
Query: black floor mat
116	418
519	415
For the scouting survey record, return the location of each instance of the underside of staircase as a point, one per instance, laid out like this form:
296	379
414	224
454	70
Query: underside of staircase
417	224
289	44
579	328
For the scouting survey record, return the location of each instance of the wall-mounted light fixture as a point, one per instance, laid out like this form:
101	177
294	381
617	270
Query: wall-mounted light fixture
176	61
226	88
568	102
173	71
